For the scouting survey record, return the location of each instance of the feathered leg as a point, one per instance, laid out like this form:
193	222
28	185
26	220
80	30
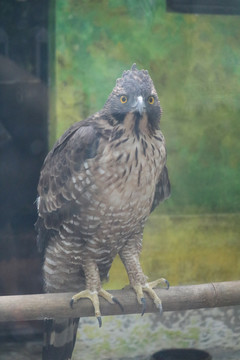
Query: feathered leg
94	290
130	258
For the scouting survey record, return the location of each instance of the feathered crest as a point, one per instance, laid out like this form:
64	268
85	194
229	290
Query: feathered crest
133	74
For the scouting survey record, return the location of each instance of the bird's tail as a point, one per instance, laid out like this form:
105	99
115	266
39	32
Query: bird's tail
59	338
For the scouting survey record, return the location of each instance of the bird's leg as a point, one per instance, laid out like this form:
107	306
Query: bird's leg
94	290
138	280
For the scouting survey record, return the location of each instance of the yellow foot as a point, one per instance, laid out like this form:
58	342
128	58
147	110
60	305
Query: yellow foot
148	288
94	297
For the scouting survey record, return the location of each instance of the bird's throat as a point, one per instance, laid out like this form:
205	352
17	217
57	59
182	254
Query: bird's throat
136	123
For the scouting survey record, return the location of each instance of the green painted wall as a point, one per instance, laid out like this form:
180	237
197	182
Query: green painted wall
194	61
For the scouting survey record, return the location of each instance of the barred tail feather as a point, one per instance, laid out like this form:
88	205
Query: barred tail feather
59	338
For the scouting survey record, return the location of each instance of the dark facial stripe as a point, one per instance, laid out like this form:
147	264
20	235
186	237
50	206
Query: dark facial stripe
136	126
119	117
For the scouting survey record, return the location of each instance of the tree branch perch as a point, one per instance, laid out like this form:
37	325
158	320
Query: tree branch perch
37	307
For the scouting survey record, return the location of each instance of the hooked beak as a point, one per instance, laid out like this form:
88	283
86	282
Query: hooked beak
139	105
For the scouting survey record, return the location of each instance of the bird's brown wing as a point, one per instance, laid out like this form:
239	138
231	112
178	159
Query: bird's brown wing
163	188
56	201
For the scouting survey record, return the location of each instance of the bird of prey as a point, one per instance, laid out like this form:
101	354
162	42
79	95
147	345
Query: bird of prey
97	187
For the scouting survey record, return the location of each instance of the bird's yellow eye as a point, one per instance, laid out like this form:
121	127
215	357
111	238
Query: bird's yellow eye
151	100
123	99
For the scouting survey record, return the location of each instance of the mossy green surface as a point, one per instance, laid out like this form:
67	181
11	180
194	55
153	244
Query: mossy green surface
187	250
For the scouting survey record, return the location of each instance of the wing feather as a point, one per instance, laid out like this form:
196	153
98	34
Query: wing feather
56	202
163	189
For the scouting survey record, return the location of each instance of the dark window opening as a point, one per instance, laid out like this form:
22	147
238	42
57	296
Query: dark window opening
23	146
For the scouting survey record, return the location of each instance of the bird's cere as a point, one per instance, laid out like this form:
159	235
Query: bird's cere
140	100
140	105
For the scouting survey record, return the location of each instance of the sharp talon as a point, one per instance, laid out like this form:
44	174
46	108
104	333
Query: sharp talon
160	308
71	303
167	284
99	319
143	301
118	303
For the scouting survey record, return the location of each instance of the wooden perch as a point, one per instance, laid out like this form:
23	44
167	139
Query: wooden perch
36	307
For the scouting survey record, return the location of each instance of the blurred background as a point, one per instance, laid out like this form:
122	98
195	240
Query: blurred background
59	60
194	61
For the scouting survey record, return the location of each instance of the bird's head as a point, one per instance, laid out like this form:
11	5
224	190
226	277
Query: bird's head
134	94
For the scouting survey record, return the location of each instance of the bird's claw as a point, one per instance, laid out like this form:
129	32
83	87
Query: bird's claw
148	288
99	319
160	309
94	297
143	301
167	283
162	281
71	303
